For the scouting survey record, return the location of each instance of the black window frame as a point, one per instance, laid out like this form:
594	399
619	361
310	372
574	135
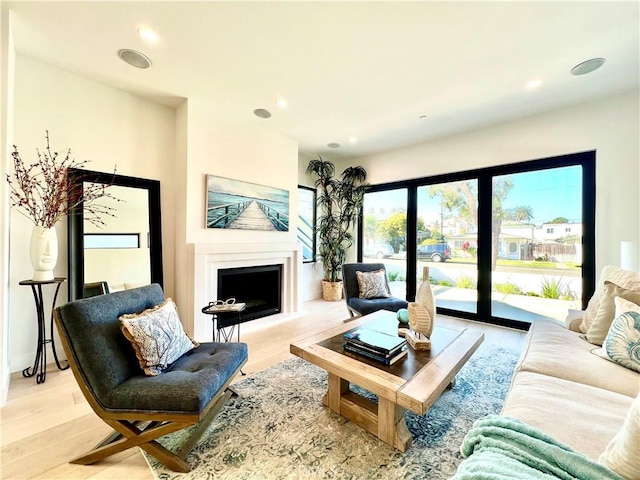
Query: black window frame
484	177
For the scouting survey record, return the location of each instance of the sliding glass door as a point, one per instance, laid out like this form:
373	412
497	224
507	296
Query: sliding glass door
447	242
384	235
536	254
505	244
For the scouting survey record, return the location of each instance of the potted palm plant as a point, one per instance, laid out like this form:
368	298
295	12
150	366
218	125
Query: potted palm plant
340	200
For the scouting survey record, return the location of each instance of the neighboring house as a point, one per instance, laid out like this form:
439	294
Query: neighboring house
555	231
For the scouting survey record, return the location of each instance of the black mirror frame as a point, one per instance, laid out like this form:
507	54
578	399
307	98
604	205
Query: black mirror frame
75	226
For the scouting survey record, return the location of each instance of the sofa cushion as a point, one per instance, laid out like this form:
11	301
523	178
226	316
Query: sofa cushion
553	350
606	311
623	278
157	336
366	306
583	417
622	454
187	386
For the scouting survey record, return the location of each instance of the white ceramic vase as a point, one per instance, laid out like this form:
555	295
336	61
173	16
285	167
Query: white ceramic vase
43	251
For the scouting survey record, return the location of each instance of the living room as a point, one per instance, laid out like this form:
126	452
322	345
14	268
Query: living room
179	137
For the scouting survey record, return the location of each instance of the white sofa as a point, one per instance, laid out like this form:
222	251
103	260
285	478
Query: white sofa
570	391
567	391
564	388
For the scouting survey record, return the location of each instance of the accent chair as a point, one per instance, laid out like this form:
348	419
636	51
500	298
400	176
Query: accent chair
359	306
141	408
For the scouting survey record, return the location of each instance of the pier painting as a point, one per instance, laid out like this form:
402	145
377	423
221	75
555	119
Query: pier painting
246	206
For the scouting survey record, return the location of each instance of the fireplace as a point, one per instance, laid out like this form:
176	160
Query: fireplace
209	258
260	287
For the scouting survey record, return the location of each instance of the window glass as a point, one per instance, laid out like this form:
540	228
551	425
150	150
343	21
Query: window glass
307	222
537	240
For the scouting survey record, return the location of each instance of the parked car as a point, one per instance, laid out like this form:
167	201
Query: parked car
378	250
436	252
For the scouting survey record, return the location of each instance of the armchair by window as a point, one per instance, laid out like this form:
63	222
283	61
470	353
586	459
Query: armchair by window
362	306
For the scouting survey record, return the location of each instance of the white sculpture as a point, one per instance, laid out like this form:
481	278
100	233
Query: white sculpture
422	314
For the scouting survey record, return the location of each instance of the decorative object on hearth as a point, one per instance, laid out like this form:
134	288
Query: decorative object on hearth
42	192
340	201
422	314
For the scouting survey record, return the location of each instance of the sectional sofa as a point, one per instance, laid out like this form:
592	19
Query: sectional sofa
567	386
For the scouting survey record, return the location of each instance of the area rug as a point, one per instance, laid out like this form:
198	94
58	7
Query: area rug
277	428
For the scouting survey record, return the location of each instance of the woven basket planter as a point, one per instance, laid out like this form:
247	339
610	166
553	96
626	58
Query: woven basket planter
331	291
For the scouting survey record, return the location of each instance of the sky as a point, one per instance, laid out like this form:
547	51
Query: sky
550	194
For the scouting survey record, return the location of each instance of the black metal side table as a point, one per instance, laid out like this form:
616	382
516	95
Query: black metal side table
225	319
39	368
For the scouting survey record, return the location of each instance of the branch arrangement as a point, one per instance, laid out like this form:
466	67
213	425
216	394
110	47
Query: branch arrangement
43	193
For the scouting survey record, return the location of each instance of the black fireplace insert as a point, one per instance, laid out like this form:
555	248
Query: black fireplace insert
260	287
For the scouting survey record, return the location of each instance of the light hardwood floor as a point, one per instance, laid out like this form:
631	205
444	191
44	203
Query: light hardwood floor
43	426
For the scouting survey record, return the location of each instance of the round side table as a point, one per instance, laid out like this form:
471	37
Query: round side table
39	368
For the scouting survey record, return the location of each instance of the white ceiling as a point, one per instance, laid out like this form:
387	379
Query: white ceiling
348	69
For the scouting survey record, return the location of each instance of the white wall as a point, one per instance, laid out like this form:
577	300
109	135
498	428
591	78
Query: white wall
610	126
7	71
311	273
101	124
242	150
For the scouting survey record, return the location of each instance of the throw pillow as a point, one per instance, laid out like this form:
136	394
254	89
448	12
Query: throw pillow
622	455
373	284
623	306
622	343
606	311
157	336
624	278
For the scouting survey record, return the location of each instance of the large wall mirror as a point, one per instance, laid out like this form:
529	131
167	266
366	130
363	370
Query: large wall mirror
127	251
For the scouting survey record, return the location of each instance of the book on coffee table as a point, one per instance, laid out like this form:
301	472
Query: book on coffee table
386	360
381	343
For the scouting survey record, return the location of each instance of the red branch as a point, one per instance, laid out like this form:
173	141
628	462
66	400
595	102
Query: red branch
43	193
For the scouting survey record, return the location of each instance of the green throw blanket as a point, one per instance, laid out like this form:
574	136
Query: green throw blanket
501	448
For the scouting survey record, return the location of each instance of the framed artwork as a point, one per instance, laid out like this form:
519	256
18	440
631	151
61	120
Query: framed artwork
246	206
307	222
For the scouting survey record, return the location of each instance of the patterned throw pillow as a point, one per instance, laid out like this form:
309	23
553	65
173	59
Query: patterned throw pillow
157	336
623	341
373	284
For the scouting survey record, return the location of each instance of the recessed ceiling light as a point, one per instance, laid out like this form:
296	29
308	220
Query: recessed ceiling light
587	66
333	145
533	84
262	113
353	140
134	58
147	35
282	103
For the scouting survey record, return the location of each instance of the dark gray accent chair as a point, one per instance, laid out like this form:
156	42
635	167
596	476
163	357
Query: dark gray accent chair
362	306
142	408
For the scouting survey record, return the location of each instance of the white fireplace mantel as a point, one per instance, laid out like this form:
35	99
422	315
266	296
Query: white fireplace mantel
207	258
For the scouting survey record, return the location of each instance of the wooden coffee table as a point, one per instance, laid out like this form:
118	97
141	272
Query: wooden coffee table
414	382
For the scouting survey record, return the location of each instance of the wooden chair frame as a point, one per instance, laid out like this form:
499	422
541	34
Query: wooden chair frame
136	429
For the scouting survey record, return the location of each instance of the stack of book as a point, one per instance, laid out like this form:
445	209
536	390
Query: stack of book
379	346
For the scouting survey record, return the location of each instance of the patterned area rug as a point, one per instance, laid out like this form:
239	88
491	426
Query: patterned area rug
278	428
